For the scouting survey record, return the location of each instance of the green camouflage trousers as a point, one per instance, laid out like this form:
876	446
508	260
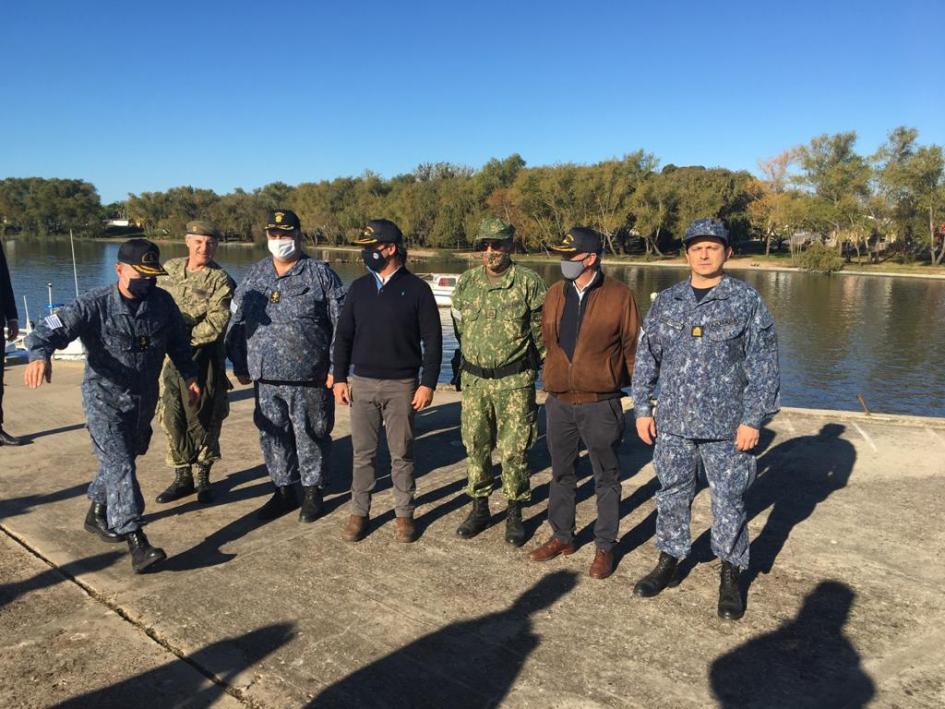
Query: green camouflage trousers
193	434
507	421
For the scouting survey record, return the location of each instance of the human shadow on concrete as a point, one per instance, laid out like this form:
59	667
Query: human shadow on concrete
224	493
793	478
9	592
30	437
185	681
467	663
21	505
806	662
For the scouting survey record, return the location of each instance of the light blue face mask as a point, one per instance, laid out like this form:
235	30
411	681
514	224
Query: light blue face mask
572	270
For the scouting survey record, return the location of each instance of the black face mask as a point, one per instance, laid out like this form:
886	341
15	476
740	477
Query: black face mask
373	259
140	288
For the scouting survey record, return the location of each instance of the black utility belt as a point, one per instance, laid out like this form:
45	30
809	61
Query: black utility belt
507	370
292	382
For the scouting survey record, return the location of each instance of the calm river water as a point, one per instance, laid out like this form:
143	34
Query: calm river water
882	337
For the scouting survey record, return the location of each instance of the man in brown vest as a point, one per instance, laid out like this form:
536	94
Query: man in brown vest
590	325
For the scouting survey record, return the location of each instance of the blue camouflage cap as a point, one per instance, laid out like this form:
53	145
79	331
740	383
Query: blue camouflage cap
706	227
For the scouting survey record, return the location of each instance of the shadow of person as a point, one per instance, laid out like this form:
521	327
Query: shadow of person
178	683
468	663
21	505
224	492
794	477
807	662
9	592
30	437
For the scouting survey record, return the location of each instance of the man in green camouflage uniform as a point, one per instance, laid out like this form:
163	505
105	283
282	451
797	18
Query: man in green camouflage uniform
497	319
202	291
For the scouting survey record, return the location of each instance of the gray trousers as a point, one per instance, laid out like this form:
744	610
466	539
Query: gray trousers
600	425
387	401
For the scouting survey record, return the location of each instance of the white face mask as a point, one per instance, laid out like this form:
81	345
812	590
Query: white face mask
282	249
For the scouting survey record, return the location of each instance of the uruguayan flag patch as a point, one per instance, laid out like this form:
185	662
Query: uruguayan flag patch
53	322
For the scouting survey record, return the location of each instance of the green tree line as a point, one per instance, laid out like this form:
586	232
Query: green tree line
889	202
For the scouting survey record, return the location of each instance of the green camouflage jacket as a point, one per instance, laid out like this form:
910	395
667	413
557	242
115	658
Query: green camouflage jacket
499	323
203	298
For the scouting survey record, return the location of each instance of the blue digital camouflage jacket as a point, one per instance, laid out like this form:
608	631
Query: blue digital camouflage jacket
711	365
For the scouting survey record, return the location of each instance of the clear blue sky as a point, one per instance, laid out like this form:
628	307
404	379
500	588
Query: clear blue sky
145	96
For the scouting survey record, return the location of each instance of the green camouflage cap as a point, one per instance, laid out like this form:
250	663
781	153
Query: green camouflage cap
495	229
201	227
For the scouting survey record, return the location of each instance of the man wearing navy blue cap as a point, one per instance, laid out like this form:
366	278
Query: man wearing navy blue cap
709	343
389	329
126	329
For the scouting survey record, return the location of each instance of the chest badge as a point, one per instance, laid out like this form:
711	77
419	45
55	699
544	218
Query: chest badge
144	342
275	297
697	330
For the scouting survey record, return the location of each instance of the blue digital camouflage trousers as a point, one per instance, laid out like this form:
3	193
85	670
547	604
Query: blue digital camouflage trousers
295	422
117	439
729	472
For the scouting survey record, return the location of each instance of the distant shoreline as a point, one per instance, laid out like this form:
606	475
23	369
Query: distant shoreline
755	262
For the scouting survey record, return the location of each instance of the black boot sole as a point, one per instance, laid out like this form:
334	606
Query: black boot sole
148	563
93	529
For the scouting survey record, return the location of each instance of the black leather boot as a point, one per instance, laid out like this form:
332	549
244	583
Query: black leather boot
143	555
731	606
7	440
97	523
514	530
182	486
283	500
477	520
204	495
311	504
659	578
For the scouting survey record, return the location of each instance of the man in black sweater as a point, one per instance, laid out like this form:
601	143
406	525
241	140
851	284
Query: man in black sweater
388	314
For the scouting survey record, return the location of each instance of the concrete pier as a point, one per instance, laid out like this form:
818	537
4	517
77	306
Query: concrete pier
845	606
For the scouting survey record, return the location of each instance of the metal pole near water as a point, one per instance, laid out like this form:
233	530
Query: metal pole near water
75	273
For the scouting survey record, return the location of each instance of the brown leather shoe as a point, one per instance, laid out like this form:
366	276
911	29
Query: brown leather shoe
406	530
551	549
603	565
355	529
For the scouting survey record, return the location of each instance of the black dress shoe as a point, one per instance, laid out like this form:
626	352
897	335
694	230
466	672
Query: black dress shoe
514	529
7	440
312	504
659	578
477	520
143	555
182	486
97	523
731	605
283	500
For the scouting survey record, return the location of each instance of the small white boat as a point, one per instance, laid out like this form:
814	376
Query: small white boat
442	285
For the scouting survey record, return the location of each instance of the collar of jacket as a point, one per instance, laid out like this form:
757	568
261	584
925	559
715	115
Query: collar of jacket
505	280
683	291
120	302
296	267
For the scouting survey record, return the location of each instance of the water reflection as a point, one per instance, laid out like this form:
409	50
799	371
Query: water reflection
840	335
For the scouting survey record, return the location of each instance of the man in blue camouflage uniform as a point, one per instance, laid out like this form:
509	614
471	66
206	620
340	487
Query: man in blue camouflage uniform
709	343
126	331
281	337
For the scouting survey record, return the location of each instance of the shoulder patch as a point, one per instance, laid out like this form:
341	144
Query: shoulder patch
52	321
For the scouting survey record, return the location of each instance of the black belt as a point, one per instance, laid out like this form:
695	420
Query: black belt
507	370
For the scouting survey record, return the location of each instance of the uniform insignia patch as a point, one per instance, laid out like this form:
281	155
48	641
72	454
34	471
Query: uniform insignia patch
144	342
52	321
279	217
275	297
697	331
